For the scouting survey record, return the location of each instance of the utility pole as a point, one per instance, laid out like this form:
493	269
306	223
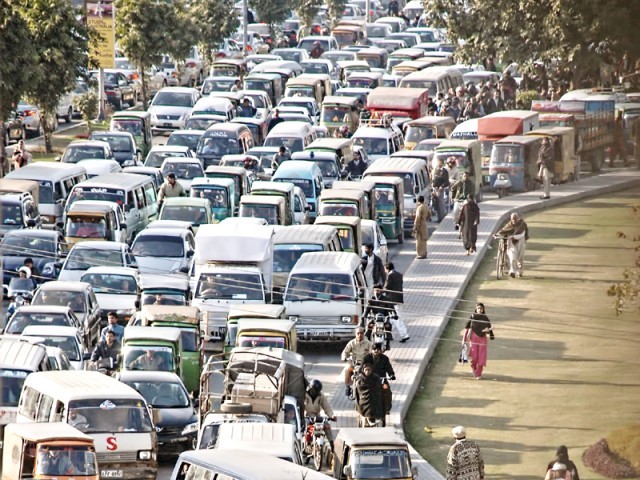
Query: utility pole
245	21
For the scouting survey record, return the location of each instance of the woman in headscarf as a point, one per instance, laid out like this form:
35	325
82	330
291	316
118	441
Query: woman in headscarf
476	334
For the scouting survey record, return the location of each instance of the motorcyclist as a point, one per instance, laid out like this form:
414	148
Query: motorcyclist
379	303
356	349
315	402
109	348
382	367
368	393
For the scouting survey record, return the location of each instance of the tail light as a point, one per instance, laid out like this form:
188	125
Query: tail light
29	113
249	48
134	76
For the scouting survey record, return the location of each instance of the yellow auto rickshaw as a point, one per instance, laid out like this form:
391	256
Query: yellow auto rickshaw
564	152
425	128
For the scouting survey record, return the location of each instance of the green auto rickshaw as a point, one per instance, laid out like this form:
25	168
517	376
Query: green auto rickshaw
389	205
154	349
137	124
221	193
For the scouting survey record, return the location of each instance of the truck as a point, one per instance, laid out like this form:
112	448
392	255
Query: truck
402	104
256	385
591	113
499	125
233	265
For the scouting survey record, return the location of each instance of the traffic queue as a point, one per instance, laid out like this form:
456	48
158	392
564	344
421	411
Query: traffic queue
160	293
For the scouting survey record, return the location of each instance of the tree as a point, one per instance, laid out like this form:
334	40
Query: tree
627	292
87	105
140	35
16	50
215	20
336	9
271	11
181	35
60	40
307	11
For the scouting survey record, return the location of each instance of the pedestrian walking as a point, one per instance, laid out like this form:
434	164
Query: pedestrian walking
475	333
393	289
562	456
517	234
464	461
619	147
469	220
373	267
545	166
420	228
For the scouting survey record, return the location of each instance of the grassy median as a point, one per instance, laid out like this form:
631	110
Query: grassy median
564	369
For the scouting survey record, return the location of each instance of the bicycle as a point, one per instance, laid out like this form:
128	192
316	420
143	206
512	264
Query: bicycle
502	259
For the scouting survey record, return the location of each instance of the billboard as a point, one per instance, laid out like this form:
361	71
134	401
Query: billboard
101	17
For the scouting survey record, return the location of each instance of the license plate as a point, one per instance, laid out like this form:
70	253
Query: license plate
167	125
320	333
111	473
16	133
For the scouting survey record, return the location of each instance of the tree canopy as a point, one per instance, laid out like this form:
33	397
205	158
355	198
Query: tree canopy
215	20
271	11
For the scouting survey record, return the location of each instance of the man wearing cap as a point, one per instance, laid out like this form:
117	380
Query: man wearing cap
170	188
464	461
317	50
118	330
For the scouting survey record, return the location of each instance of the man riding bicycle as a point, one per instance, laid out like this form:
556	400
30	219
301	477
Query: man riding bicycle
517	233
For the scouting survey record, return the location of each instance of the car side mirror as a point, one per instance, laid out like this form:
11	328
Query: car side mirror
416	190
344	174
60	225
307	208
184	269
190	253
86	356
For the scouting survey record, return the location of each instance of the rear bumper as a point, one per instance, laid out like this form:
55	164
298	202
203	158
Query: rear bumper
130	471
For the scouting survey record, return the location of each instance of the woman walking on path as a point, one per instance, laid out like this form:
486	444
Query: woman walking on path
476	333
469	220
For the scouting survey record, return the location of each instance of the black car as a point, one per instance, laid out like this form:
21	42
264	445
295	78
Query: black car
118	89
175	417
45	247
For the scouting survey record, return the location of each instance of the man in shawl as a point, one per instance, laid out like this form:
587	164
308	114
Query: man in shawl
518	233
464	461
469	220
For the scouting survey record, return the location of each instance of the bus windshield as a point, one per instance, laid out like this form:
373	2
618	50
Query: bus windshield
110	415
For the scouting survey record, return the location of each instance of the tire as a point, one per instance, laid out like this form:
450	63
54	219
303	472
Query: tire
233	407
401	237
317	456
500	262
68	118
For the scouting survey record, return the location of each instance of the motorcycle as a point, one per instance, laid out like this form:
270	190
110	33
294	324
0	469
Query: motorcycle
20	292
378	328
315	442
106	366
357	366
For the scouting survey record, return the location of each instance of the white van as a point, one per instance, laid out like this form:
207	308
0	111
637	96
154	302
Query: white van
326	294
378	141
275	439
112	413
296	136
135	192
56	182
436	79
415	176
95	167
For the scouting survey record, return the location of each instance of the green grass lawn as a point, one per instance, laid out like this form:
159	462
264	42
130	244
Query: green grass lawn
563	368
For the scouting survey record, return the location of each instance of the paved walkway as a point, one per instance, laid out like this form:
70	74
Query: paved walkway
432	288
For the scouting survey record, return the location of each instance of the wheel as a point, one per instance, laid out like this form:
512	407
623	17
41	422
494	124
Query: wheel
318	455
401	237
500	260
68	118
233	407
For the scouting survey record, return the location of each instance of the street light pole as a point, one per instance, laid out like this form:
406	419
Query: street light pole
245	21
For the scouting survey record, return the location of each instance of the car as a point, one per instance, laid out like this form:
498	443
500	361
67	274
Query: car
118	89
317	66
67	339
157	154
154	173
15	129
155	80
185	138
164	250
301	207
87	254
116	289
195	210
44	247
217	84
270	34
58	359
258	58
292	54
171	107
352	12
85	150
372	234
410	39
42	315
164	392
231	48
327	43
31	118
202	122
308	103
185	170
123	145
18	211
78	296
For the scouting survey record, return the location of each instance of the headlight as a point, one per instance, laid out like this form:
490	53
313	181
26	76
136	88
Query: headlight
129	163
145	454
345	319
293	318
191	428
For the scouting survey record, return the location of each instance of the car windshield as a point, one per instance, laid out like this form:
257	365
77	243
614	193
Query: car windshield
11	215
305	185
151	358
459	157
80	460
374	61
217	145
345	38
23	245
285	256
506	154
195	215
46	192
85	227
416	133
163	395
258	100
97	193
293	144
367	235
172	99
20	321
377	31
113	284
380	464
195	123
323	287
300	91
335	56
216	195
289	55
111	415
151	298
268	212
67	344
229	286
75	154
158	246
59	298
85	258
218	85
183	171
134	127
258	341
373	146
342	209
155	159
11	382
18	284
313	67
185	140
118	143
335	114
384	198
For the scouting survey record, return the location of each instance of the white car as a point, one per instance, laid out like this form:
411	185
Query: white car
171	107
157	154
301	207
372	234
85	255
68	339
164	250
116	289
